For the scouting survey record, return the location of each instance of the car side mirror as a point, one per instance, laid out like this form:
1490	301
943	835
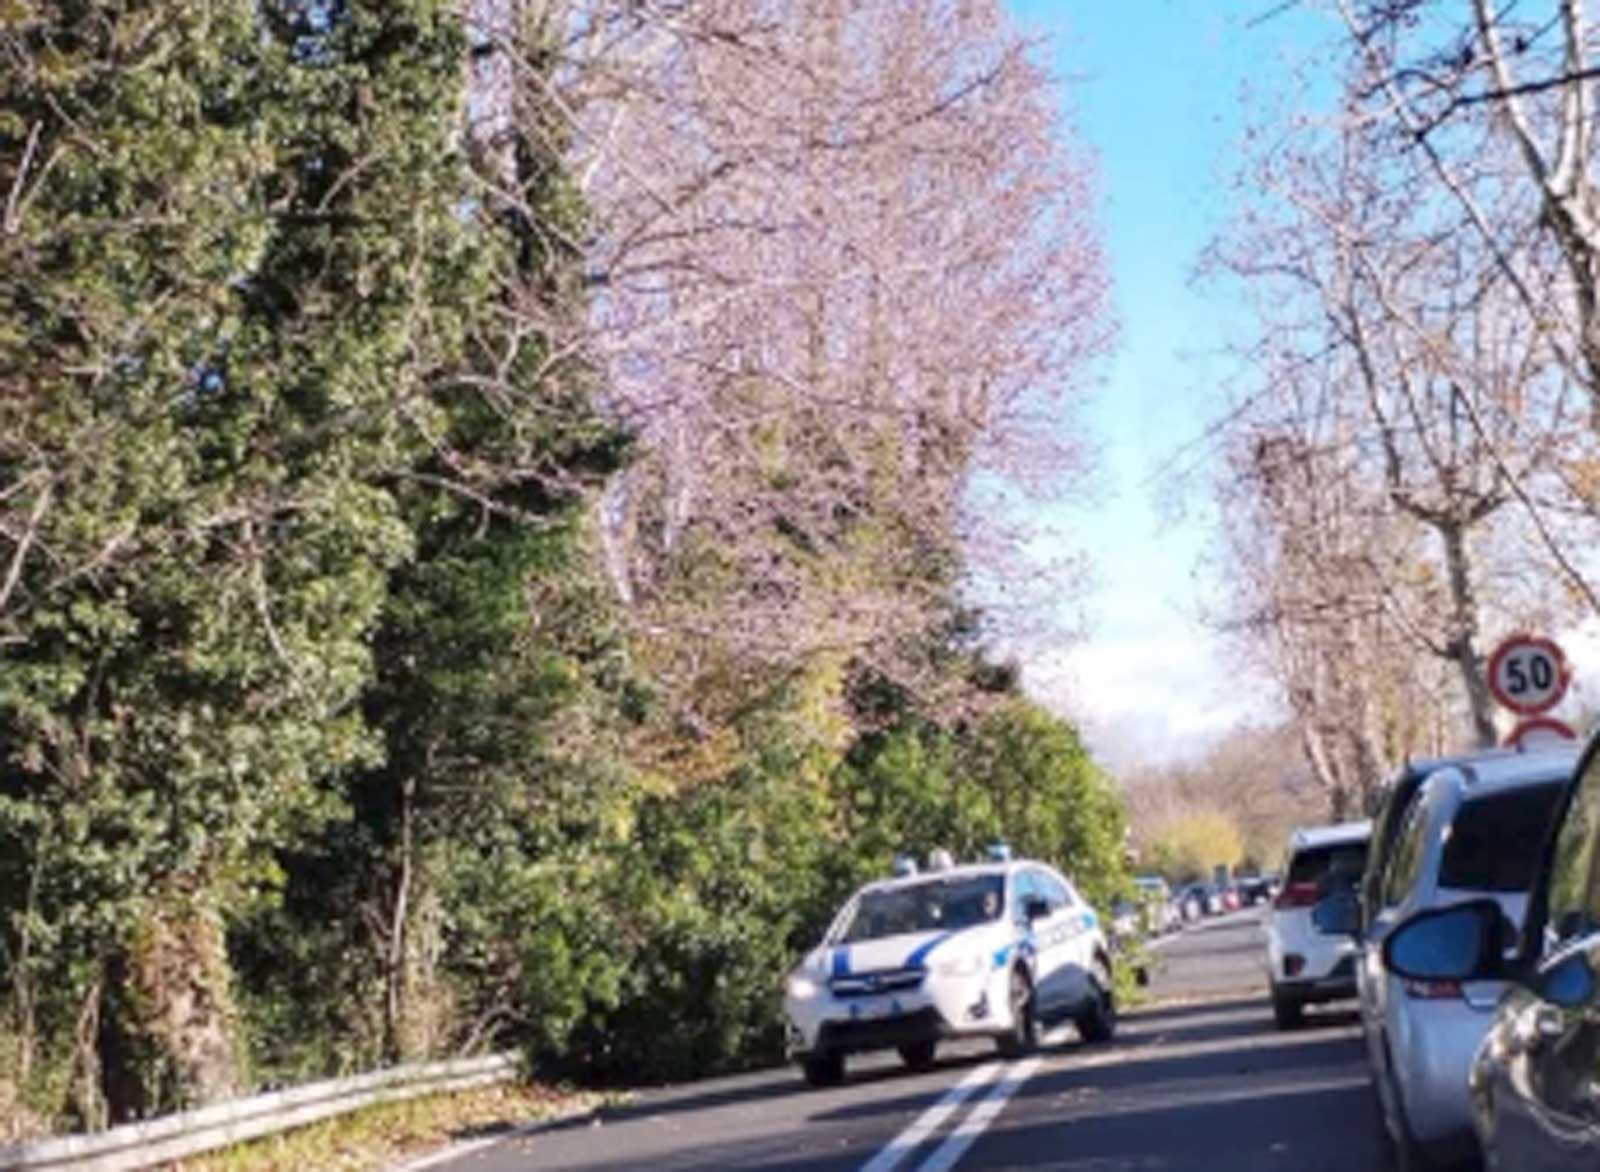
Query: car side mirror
1035	908
1569	983
1337	914
1462	942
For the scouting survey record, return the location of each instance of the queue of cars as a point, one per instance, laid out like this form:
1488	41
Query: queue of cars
1532	1085
1198	900
1466	920
1152	910
1464	917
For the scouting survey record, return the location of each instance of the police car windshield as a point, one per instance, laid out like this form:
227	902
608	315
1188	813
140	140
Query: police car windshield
935	905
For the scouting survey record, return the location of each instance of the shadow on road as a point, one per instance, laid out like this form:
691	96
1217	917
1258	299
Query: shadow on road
1211	1087
1180	1027
1281	1129
1161	1012
1153	1057
1133	1060
779	1083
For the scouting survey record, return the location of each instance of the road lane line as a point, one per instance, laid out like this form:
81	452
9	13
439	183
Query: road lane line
965	1135
931	1119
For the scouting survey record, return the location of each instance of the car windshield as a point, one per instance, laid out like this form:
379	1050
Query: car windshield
1495	842
933	905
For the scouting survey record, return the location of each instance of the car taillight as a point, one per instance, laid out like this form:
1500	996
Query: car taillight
1297	895
1433	990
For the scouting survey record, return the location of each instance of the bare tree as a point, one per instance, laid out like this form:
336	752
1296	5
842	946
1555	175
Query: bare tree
1305	535
1436	410
1451	74
844	269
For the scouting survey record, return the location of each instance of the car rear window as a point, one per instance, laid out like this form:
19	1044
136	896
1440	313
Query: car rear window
1323	864
1495	841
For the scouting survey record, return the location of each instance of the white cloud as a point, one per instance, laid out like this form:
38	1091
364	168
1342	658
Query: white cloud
1160	694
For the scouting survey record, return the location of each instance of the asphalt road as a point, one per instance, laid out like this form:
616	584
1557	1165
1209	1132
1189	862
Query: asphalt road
1200	1081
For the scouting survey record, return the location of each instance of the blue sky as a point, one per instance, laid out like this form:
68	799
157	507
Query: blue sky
1161	91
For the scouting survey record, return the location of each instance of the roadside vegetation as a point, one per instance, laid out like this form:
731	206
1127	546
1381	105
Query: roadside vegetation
388	1136
1233	806
489	503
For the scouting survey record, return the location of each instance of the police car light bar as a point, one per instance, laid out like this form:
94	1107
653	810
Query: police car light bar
999	852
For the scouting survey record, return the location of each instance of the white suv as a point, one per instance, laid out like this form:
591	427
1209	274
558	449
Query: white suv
1311	953
991	950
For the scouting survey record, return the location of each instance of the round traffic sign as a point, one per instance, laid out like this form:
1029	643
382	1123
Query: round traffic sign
1528	674
1534	732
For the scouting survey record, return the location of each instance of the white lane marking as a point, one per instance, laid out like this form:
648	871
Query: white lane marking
964	1136
921	1127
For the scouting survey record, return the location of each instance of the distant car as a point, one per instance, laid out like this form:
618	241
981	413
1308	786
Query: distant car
1255	889
1311	955
987	950
1125	926
1203	899
1473	830
1161	912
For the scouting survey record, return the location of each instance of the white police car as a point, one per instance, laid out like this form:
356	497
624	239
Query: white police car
987	950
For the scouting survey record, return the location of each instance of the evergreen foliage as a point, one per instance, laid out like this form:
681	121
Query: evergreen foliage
324	741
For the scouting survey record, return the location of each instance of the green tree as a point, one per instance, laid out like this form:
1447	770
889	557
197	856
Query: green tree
473	861
1050	800
235	267
1189	845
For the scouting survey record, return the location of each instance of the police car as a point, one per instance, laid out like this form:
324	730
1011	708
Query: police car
992	949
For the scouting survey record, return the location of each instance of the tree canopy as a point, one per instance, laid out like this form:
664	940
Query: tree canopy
473	573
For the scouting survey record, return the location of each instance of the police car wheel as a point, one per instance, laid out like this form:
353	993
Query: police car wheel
919	1055
826	1070
1024	1033
1099	1022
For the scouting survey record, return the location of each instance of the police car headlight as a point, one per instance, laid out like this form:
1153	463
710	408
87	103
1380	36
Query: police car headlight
800	986
960	966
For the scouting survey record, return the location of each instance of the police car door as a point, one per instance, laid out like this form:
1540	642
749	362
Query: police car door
1050	943
1025	895
1072	952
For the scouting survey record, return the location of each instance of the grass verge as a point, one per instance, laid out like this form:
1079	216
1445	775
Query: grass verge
390	1134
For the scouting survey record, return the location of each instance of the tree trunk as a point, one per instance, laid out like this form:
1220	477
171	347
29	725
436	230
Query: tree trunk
88	1095
1463	644
1371	757
395	962
1322	765
168	1022
24	983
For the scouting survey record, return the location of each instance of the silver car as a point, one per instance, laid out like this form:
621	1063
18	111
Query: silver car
1473	830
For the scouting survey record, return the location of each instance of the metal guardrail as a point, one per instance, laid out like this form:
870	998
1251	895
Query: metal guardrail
188	1133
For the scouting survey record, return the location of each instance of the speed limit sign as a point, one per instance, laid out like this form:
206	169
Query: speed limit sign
1528	674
